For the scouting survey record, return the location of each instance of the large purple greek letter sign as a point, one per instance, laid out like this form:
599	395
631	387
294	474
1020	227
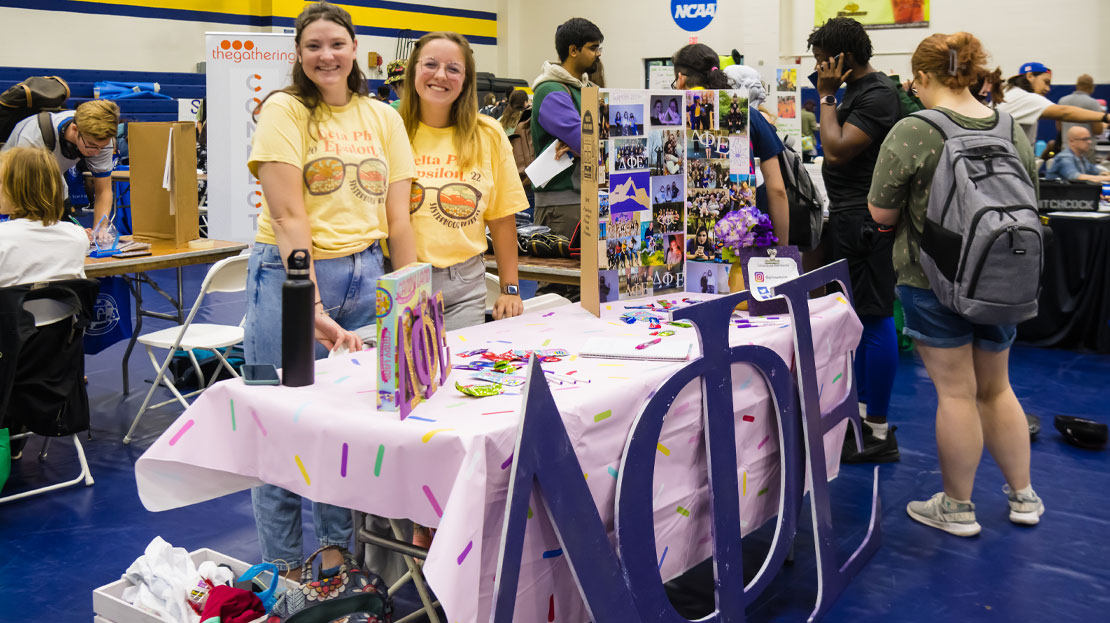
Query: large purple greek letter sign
625	586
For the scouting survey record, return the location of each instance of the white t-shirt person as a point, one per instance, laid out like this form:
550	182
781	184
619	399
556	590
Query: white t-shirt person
1026	109
31	252
27	133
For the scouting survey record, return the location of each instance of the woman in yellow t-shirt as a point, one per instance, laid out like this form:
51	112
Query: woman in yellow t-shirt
466	180
335	169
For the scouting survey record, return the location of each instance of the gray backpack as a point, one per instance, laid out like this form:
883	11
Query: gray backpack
982	244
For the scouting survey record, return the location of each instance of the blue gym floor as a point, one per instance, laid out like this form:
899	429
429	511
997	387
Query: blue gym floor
59	546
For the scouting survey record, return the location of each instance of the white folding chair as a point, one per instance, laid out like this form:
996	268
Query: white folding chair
227	275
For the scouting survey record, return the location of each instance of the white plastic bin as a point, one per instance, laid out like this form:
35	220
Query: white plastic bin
110	607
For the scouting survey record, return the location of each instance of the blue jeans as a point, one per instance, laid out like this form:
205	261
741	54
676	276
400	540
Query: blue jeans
347	288
933	324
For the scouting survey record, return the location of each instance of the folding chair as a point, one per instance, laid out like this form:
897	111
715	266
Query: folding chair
227	275
51	304
412	555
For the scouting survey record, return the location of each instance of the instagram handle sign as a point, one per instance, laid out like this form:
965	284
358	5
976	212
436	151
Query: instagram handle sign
242	69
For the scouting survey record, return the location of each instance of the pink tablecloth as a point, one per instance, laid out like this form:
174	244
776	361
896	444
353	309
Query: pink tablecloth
447	464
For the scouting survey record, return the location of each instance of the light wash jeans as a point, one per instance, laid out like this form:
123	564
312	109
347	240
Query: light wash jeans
347	288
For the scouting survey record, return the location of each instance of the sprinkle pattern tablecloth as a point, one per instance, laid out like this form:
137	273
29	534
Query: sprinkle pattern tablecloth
447	465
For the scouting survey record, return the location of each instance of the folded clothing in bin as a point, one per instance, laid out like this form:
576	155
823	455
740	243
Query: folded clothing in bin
231	605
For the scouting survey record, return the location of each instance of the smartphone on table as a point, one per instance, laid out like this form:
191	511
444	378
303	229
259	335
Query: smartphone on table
260	374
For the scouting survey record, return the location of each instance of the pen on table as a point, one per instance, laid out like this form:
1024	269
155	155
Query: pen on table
648	343
562	378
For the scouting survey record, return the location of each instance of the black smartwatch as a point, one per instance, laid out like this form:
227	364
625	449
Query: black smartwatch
829	99
510	288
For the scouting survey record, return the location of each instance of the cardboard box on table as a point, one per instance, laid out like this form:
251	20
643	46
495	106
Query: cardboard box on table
158	212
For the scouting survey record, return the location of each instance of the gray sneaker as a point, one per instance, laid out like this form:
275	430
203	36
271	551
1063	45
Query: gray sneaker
1024	509
942	513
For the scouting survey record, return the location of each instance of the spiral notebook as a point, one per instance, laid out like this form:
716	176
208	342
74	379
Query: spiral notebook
625	348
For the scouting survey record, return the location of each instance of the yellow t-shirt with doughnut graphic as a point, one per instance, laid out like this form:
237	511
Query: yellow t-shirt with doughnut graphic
450	207
348	157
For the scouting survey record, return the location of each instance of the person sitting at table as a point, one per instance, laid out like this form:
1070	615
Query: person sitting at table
36	244
468	180
1072	164
968	363
321	191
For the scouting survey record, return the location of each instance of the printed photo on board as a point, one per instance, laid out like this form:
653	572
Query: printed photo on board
608	286
666	110
734	112
700	244
704	277
787	79
638	283
788	107
666	280
651	245
664	148
672	251
603	114
629	192
667	217
666	189
630	153
707	174
701	111
603	205
623	225
626	120
741	191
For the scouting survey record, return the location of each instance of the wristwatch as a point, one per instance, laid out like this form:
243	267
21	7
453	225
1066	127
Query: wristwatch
510	288
829	99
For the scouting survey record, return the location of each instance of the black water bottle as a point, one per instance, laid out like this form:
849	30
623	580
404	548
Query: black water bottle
298	348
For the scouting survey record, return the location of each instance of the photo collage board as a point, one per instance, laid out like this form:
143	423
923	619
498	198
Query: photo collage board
669	165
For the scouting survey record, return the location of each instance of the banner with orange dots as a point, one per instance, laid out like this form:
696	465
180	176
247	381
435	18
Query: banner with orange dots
241	68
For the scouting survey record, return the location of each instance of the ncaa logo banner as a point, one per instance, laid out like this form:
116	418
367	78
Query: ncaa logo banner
241	69
693	16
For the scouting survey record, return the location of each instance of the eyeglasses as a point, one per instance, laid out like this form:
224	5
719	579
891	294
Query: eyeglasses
456	201
431	67
325	175
92	146
595	48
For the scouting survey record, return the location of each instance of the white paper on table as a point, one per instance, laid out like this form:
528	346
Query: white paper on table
545	166
167	174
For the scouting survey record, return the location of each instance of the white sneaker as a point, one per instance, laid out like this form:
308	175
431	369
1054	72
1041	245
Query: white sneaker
1024	509
942	513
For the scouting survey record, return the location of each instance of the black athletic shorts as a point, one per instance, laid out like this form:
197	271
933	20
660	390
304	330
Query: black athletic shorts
854	236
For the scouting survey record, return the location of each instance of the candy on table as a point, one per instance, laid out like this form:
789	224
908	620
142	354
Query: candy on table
680	323
471	353
498	379
666	333
479	391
